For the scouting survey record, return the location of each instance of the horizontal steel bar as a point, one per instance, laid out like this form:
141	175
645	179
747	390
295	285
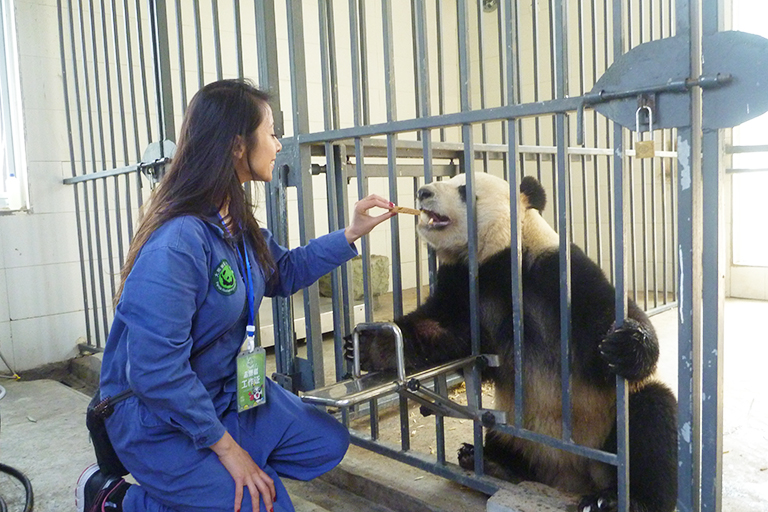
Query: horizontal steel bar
741	171
448	470
575	150
456	119
730	149
661	309
101	174
584	451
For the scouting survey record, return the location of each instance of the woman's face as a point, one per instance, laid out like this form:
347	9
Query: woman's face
257	164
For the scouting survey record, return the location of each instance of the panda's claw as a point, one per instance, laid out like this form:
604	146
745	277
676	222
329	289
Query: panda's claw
466	456
630	351
604	501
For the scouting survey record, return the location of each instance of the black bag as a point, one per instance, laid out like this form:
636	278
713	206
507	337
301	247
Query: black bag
98	411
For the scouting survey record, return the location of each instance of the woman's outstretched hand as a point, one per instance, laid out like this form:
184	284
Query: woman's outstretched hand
245	473
362	223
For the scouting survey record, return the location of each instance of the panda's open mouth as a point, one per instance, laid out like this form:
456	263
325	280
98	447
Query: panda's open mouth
435	219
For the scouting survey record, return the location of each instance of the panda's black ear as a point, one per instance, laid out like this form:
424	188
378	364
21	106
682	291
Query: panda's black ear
533	192
463	192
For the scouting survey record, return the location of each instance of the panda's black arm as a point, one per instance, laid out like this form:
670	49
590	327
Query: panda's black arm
600	350
434	333
631	350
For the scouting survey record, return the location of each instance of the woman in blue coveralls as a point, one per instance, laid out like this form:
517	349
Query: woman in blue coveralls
181	320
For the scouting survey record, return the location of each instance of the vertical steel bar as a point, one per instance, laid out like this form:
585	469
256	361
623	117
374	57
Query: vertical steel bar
143	68
610	20
664	234
302	178
341	309
502	43
513	176
158	17
364	63
481	76
620	263
124	130
182	64
134	109
583	159
440	63
359	109
713	291
217	39
391	106
359	113
632	231
689	215
268	79
473	379
654	254
93	236
238	38
199	45
595	133
266	47
563	192
104	158
425	109
441	388
644	231
78	220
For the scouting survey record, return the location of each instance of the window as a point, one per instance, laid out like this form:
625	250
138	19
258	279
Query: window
750	209
12	155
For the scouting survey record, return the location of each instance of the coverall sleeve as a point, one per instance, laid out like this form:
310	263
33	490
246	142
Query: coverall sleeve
300	267
166	287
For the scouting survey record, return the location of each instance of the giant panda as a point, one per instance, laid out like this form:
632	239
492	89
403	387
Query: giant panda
439	331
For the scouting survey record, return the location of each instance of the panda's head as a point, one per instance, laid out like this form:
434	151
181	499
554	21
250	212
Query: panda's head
443	220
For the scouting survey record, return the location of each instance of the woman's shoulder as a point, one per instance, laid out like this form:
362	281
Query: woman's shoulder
184	233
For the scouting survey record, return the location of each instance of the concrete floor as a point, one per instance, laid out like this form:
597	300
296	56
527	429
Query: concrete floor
42	433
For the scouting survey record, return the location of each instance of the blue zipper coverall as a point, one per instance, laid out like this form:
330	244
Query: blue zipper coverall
177	331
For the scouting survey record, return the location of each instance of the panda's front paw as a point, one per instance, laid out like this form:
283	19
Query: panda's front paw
604	501
631	350
467	456
377	350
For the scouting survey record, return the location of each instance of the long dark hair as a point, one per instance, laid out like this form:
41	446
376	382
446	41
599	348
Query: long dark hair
202	177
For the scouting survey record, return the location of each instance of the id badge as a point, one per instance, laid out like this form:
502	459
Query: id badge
251	376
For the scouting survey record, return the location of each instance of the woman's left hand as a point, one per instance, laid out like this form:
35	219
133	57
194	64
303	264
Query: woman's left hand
362	223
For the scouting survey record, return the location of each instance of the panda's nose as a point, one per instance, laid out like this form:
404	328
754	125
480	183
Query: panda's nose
424	193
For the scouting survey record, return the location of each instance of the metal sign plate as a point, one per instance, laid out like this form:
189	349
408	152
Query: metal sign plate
745	57
644	66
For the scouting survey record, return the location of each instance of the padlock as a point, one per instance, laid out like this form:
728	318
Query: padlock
644	148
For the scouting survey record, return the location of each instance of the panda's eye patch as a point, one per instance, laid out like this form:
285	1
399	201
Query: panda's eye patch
463	192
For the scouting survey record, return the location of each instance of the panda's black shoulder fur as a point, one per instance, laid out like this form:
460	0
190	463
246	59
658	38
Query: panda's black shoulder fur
534	192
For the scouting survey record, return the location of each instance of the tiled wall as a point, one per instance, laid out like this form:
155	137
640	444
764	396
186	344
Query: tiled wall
41	305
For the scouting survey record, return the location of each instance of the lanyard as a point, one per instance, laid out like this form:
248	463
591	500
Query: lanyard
245	263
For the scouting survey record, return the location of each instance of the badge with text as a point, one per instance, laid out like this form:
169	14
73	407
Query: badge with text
251	375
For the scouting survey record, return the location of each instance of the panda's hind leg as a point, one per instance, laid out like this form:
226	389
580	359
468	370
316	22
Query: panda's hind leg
652	454
500	460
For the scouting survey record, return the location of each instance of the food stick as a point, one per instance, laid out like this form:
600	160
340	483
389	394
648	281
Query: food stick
405	209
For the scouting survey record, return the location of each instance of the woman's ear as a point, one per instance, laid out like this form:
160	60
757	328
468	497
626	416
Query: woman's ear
238	149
